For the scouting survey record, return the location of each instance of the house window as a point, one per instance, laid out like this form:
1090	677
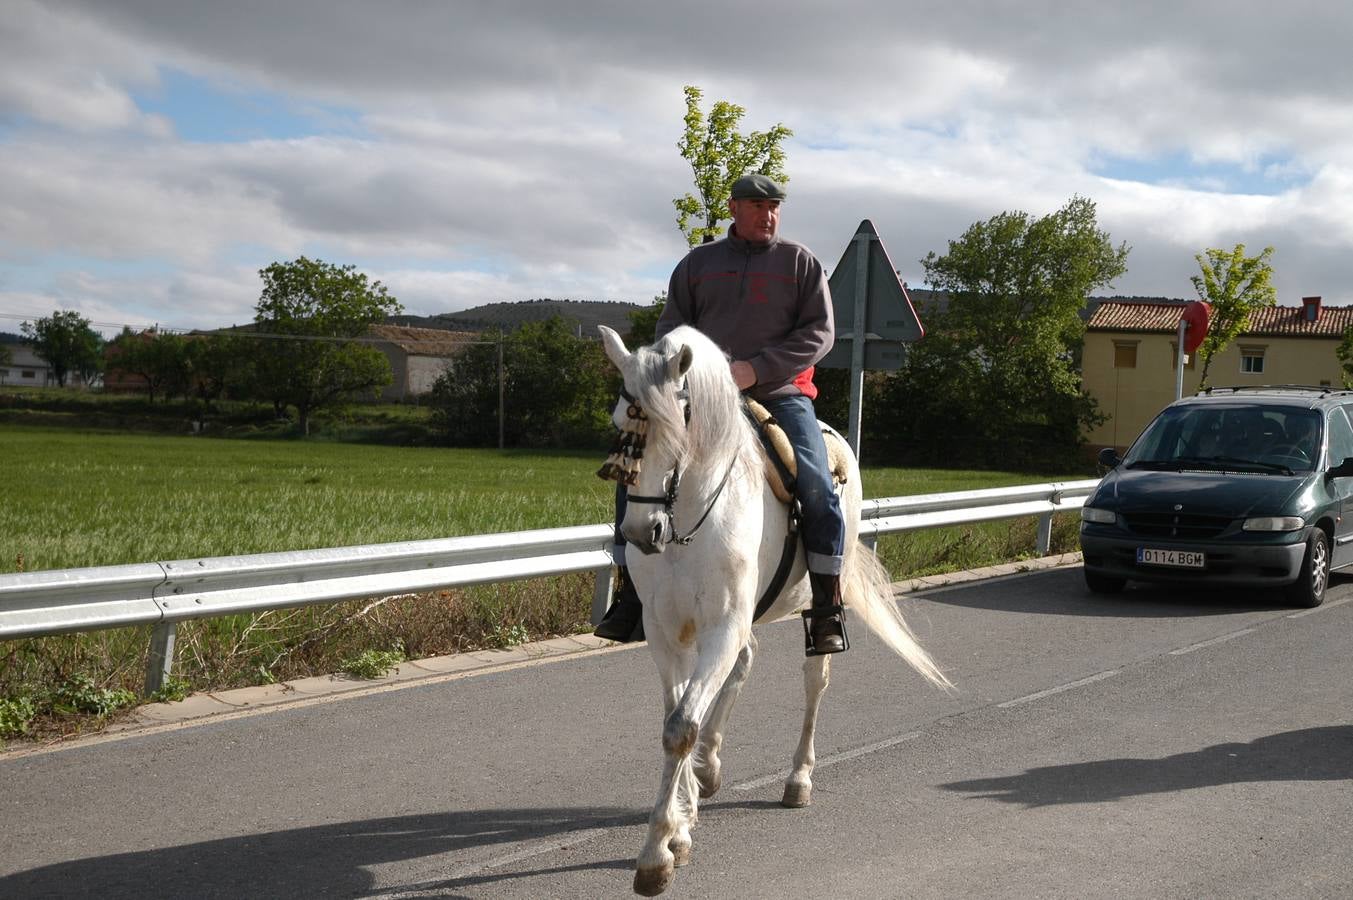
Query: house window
1252	360
1174	357
28	373
1125	354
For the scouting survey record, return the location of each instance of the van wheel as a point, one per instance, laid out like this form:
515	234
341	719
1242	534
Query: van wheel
1103	584
1309	588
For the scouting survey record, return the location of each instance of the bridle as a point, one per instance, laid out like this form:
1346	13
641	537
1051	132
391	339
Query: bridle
668	500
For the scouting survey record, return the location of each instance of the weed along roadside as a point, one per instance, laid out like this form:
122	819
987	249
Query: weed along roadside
142	498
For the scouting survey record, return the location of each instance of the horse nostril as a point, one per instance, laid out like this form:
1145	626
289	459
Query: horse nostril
657	532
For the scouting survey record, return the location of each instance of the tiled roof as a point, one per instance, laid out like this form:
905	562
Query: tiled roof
1274	321
425	341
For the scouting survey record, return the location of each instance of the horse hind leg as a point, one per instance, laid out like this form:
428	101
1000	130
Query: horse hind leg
708	767
799	785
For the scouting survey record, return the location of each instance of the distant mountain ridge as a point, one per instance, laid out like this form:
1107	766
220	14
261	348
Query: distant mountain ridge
582	316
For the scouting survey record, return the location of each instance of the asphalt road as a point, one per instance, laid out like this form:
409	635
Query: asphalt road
1157	744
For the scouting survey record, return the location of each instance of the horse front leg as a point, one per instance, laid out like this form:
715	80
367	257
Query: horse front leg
669	826
708	768
799	785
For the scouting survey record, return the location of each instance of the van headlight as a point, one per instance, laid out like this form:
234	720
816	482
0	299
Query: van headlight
1273	523
1100	516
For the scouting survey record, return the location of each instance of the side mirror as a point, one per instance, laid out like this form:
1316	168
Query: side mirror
1343	470
1108	458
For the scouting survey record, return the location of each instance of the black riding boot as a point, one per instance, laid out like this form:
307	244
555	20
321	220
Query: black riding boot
824	623
624	621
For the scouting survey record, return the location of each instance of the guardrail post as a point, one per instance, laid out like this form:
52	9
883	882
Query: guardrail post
161	662
601	594
1044	541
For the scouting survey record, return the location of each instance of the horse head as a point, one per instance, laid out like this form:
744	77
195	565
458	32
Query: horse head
651	415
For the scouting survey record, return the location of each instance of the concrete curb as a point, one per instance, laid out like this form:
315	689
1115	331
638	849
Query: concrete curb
220	705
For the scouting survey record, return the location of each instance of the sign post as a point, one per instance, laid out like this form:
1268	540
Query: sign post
874	318
1192	329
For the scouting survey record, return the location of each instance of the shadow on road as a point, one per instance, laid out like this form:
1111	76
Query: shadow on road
1062	592
332	860
1308	754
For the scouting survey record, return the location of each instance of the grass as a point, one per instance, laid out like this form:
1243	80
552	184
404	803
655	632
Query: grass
89	498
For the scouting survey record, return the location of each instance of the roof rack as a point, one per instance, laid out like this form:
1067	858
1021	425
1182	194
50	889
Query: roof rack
1322	389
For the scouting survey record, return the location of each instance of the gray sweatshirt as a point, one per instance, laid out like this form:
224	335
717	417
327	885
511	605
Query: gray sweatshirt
768	304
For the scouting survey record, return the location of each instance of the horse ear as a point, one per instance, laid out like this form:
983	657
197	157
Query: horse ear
614	346
678	363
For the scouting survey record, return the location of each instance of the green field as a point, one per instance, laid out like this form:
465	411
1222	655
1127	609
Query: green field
75	498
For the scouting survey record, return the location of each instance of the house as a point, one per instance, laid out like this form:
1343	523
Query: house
418	356
27	368
1129	358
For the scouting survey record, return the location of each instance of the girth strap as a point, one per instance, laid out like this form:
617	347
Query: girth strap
777	581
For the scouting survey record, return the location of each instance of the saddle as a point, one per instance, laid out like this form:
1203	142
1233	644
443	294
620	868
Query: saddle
781	468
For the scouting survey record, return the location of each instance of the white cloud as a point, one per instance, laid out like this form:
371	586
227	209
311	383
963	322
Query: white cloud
511	150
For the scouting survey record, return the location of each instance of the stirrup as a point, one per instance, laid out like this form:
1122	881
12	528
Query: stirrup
836	611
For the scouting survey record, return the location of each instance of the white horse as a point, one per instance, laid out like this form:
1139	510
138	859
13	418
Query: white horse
700	589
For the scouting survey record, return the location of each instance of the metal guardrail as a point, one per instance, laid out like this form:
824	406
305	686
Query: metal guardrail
36	604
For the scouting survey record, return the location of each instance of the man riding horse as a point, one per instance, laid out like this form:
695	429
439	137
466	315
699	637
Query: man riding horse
764	300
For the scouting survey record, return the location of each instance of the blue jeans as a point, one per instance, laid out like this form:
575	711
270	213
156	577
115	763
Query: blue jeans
823	529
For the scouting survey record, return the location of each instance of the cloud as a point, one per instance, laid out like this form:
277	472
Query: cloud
515	149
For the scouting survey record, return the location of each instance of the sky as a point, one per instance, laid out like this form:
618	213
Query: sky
156	154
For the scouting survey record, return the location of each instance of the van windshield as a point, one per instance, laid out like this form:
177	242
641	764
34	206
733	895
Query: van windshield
1235	437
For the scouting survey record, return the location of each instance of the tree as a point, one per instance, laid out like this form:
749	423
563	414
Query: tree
998	370
644	322
1234	285
67	343
309	315
161	359
558	390
6	357
719	155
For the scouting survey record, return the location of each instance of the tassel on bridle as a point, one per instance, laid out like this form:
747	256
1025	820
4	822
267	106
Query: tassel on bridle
627	452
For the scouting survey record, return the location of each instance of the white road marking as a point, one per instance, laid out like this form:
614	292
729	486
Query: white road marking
831	760
1029	698
1329	604
1216	640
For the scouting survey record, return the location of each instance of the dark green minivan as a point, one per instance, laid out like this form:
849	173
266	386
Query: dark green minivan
1246	487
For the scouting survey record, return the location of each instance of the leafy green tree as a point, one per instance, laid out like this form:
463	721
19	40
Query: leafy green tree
719	155
996	379
222	364
311	314
557	390
1345	354
1234	285
160	359
6	357
644	322
68	343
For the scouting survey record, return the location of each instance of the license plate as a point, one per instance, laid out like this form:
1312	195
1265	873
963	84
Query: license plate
1180	559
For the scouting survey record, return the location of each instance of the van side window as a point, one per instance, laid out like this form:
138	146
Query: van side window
1340	437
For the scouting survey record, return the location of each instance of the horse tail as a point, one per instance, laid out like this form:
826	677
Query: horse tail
867	589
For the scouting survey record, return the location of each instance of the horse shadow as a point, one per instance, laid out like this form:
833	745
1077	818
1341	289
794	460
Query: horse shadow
332	860
1308	754
1063	592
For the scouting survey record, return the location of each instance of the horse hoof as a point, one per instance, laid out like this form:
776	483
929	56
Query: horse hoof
681	852
652	882
797	796
709	785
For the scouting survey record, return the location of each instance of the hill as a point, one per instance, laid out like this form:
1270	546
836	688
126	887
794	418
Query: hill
582	316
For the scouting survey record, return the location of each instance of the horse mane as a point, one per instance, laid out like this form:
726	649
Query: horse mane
718	428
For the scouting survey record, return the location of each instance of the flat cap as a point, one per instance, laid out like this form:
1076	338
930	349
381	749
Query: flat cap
757	187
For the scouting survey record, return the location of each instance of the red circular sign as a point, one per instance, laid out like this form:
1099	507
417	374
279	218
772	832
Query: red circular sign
1196	314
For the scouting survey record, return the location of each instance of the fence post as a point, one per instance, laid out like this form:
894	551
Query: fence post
161	662
1044	542
601	594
